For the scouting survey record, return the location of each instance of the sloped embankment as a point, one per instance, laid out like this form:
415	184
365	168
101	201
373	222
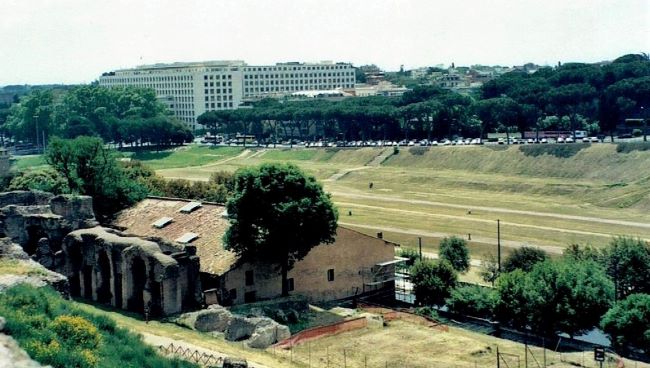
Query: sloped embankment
615	175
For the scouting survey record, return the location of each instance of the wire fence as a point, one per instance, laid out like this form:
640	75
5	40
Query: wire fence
313	355
194	356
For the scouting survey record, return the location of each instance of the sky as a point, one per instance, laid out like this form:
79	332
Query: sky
74	41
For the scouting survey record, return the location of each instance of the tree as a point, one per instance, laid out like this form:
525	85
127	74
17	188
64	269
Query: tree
454	250
628	322
554	297
524	258
278	214
490	271
91	169
433	281
45	180
474	300
627	261
567	297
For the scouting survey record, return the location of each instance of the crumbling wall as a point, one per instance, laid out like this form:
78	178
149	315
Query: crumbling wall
28	217
129	272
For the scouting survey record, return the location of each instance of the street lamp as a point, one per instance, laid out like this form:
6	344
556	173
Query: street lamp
645	137
35	117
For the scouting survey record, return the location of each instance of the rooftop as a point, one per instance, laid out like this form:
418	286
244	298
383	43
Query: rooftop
205	222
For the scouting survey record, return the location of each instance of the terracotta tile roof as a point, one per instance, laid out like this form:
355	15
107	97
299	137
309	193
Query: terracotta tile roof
205	221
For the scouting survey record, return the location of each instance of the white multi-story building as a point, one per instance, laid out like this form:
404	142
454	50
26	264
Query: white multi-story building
190	89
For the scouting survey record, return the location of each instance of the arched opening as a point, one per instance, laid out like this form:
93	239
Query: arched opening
75	265
34	234
138	281
88	281
104	285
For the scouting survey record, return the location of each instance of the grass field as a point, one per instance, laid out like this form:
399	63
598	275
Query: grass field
403	344
548	196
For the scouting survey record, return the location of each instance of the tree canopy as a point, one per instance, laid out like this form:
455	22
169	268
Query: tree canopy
524	258
628	322
454	250
89	168
433	281
278	214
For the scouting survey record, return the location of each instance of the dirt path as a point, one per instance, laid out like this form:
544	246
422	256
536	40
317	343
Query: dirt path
495	209
155	340
376	161
470	218
475	239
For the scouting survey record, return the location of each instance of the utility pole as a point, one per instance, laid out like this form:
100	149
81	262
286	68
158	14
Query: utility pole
499	244
420	245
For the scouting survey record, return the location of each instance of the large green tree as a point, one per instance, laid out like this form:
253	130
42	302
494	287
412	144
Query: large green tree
627	261
628	322
89	168
454	250
278	214
524	258
433	281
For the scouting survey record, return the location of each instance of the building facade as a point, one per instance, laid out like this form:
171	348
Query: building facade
190	89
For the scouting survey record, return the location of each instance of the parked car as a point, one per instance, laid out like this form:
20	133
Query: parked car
586	140
568	140
560	139
594	139
543	140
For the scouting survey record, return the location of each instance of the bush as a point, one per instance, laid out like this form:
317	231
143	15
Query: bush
54	332
524	258
636	132
418	151
557	150
46	180
627	147
454	250
476	301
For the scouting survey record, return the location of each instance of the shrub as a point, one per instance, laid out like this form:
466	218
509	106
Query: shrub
627	147
557	150
55	332
46	180
473	300
418	151
636	132
76	330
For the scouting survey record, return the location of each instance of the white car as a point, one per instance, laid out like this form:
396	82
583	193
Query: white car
568	140
433	143
543	140
445	142
560	140
586	140
594	139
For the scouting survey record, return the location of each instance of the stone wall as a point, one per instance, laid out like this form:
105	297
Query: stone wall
353	257
39	221
129	272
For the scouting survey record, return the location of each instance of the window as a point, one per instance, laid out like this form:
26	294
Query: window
330	274
249	278
249	297
290	284
233	294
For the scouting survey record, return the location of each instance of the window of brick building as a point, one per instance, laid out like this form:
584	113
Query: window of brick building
290	284
330	274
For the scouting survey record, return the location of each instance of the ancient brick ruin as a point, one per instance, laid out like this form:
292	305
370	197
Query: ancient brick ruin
102	264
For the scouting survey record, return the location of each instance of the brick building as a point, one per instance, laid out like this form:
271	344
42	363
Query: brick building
354	264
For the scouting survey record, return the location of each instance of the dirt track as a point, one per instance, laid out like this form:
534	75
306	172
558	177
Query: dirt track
495	209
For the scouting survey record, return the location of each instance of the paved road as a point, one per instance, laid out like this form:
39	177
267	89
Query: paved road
494	209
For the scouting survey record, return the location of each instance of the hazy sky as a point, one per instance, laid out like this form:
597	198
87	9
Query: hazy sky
73	41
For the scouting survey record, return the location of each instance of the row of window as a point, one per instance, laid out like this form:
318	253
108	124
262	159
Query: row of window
295	67
251	90
218	98
211	91
218	105
217	76
211	84
294	81
297	75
